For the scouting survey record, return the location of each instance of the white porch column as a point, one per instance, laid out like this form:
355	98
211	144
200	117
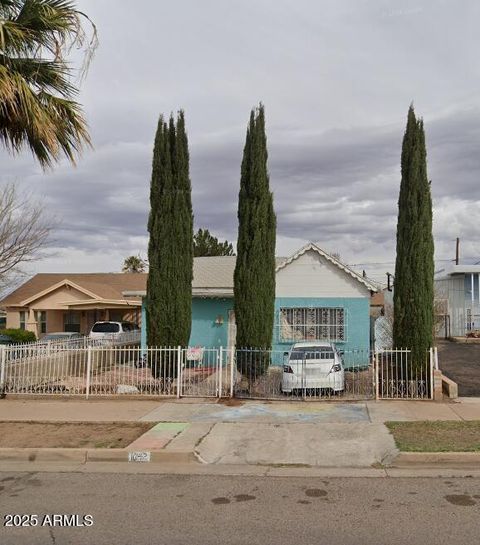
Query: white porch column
31	324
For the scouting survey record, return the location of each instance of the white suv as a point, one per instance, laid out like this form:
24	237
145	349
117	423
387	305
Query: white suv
111	330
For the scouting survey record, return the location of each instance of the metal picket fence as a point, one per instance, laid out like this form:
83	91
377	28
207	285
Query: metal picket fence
309	374
113	370
97	370
398	377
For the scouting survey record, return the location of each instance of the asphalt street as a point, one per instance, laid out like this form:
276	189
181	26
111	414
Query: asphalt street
182	509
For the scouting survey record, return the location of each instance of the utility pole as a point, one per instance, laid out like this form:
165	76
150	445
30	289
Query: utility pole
457	252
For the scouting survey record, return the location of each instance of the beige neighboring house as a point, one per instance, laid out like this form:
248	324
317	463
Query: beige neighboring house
52	302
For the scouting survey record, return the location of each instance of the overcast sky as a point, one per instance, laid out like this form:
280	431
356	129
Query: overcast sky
336	78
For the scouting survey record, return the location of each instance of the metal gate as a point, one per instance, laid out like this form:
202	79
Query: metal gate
314	375
399	377
204	372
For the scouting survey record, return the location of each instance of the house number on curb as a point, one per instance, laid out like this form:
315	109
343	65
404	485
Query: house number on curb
139	456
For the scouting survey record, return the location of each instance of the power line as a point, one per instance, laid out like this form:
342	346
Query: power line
393	262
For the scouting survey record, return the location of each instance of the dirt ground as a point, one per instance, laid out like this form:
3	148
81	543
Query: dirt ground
436	436
461	363
71	435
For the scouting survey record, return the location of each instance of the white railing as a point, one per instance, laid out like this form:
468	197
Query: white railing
120	369
107	339
398	377
98	370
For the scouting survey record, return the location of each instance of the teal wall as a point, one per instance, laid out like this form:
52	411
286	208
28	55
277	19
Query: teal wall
357	312
206	333
204	330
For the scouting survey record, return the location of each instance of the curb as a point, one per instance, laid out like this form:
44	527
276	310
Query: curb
404	460
82	456
436	459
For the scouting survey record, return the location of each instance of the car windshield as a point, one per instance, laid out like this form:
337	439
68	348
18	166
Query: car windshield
106	327
312	353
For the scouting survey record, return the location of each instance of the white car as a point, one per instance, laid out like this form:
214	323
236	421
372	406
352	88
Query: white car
313	365
111	330
70	338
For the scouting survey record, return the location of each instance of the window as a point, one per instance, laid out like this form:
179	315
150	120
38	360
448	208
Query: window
42	321
311	324
71	322
23	318
472	288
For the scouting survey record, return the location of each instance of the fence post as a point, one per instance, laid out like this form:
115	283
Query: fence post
179	372
2	368
431	371
232	355
304	366
89	369
375	373
436	357
220	363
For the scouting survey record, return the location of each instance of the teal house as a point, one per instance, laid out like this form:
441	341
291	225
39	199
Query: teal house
317	298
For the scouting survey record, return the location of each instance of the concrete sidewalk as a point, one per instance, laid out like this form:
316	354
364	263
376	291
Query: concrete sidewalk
212	411
254	433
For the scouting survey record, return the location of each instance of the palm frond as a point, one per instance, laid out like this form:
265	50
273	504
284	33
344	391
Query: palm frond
37	106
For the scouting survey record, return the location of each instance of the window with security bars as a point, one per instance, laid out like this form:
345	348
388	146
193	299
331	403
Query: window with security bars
312	324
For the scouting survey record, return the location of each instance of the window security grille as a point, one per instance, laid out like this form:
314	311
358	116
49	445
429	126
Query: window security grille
311	324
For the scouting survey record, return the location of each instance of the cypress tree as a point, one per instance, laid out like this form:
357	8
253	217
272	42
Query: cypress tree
170	250
183	221
254	277
414	268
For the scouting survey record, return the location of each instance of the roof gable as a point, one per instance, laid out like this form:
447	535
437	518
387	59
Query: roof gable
335	262
63	283
95	285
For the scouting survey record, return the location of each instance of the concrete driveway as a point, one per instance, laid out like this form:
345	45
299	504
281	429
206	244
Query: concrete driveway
261	412
293	434
461	363
359	444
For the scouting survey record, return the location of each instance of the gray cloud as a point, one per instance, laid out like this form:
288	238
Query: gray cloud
336	78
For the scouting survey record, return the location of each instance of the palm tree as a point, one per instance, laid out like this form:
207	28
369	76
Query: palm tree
37	106
134	264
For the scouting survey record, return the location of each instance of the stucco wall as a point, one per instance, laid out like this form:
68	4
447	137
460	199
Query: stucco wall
204	330
206	333
13	319
357	313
